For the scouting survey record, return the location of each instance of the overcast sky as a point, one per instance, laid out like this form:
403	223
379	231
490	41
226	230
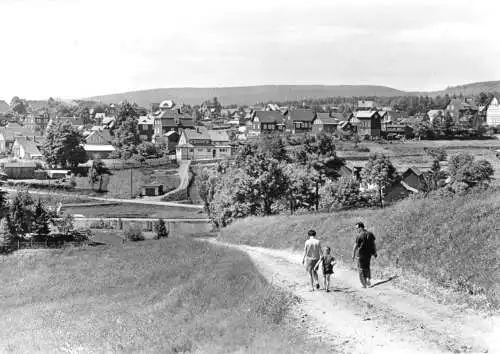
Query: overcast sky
72	48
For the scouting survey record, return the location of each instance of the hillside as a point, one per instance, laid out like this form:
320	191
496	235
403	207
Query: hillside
469	89
169	296
451	242
246	95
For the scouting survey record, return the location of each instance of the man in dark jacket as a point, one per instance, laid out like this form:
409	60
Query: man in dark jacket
365	248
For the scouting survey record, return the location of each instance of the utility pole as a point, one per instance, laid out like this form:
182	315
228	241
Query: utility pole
130	183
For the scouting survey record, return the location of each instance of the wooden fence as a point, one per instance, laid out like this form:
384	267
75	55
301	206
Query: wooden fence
123	165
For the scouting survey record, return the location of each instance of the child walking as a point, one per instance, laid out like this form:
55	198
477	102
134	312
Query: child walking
327	261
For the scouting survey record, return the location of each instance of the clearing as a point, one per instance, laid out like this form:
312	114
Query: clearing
381	319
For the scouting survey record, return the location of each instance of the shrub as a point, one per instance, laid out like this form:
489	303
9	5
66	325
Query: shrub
134	234
161	229
101	224
437	153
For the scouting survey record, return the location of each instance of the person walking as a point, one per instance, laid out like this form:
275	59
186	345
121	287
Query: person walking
364	248
312	255
327	262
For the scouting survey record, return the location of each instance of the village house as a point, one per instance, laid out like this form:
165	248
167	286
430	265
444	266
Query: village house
414	178
26	149
299	120
20	170
368	123
197	144
390	130
37	122
172	119
146	128
76	122
435	114
323	123
493	112
458	109
266	122
12	131
365	105
98	144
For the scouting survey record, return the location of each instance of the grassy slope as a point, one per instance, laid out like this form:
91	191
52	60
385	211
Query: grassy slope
150	297
451	242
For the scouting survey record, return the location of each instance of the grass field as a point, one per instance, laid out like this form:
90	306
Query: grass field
166	296
450	242
134	211
412	153
123	183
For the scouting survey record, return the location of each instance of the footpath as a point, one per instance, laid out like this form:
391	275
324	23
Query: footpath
380	319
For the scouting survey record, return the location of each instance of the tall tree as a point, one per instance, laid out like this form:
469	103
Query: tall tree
379	172
63	145
41	220
97	170
18	105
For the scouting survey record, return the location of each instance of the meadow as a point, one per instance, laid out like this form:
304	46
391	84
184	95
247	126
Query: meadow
166	296
127	183
436	243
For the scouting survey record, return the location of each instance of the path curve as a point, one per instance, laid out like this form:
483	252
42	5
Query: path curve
381	319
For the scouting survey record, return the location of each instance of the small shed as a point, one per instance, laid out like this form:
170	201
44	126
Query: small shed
19	170
152	189
57	174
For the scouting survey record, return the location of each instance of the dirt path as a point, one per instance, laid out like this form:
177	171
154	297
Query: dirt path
381	319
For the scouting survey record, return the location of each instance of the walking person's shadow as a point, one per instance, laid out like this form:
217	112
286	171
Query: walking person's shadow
384	281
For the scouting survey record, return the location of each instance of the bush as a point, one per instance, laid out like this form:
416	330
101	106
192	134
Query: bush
101	224
134	234
161	229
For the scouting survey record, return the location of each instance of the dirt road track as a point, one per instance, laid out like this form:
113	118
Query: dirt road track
381	319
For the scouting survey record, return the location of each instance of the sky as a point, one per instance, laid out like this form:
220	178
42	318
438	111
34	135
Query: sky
81	48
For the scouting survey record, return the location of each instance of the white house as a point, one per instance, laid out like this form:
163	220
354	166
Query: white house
493	112
203	144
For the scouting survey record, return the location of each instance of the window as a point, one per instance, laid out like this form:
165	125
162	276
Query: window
191	150
199	150
208	150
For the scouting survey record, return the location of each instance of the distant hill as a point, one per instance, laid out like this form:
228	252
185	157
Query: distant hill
4	106
469	89
247	95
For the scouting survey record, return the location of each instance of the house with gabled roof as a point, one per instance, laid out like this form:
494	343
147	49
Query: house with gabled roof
172	119
145	125
98	144
324	123
202	144
12	131
299	120
366	105
368	123
26	149
493	112
267	122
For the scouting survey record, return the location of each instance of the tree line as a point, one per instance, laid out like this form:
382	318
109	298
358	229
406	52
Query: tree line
269	177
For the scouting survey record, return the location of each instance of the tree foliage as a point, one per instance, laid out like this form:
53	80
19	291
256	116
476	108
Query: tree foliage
63	145
380	173
464	170
160	229
96	172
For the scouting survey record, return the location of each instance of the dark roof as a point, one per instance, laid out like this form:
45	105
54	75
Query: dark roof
338	116
269	116
328	120
303	115
173	113
28	146
322	115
